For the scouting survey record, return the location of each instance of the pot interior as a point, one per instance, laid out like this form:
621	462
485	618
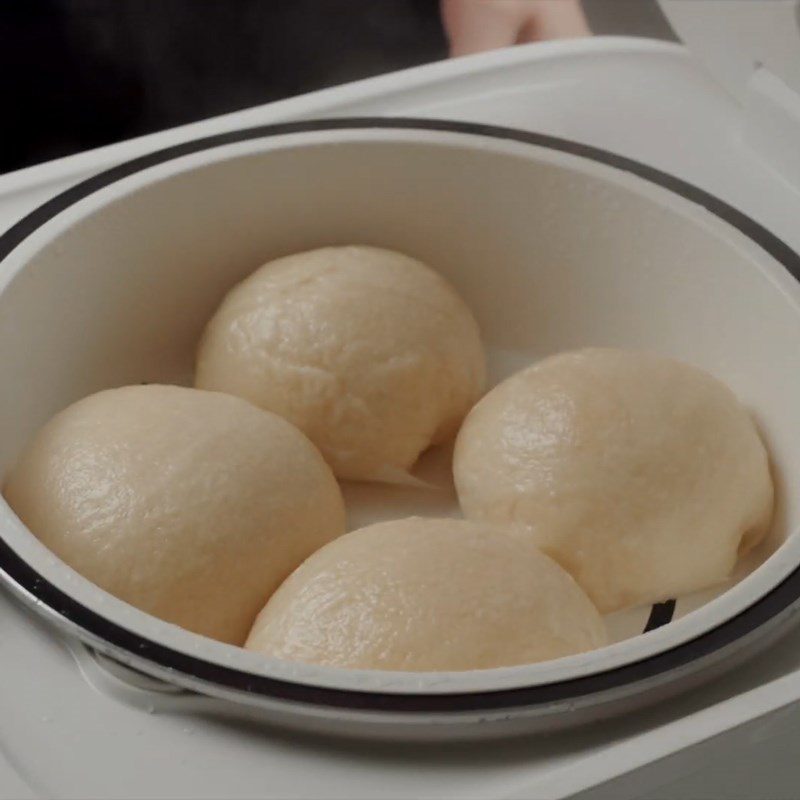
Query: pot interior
550	250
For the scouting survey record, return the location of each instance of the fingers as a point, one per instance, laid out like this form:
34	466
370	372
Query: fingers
476	25
555	19
473	26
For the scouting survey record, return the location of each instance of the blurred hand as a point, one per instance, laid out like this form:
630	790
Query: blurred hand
473	26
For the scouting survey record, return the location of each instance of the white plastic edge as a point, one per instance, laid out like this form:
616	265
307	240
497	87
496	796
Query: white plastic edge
733	38
381	93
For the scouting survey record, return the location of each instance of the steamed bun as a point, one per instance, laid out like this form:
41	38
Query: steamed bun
427	594
642	476
191	505
369	352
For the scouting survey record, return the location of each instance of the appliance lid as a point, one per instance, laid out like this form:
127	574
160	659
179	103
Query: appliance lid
734	38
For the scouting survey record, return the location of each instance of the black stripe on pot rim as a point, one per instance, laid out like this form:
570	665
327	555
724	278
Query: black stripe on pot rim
660	615
17	571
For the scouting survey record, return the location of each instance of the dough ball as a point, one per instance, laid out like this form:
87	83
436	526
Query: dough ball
370	353
191	505
427	594
642	476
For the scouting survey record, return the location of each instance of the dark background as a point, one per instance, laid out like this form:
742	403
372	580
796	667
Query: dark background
77	74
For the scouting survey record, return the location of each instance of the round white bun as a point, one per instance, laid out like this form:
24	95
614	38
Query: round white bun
369	352
427	594
191	505
642	476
